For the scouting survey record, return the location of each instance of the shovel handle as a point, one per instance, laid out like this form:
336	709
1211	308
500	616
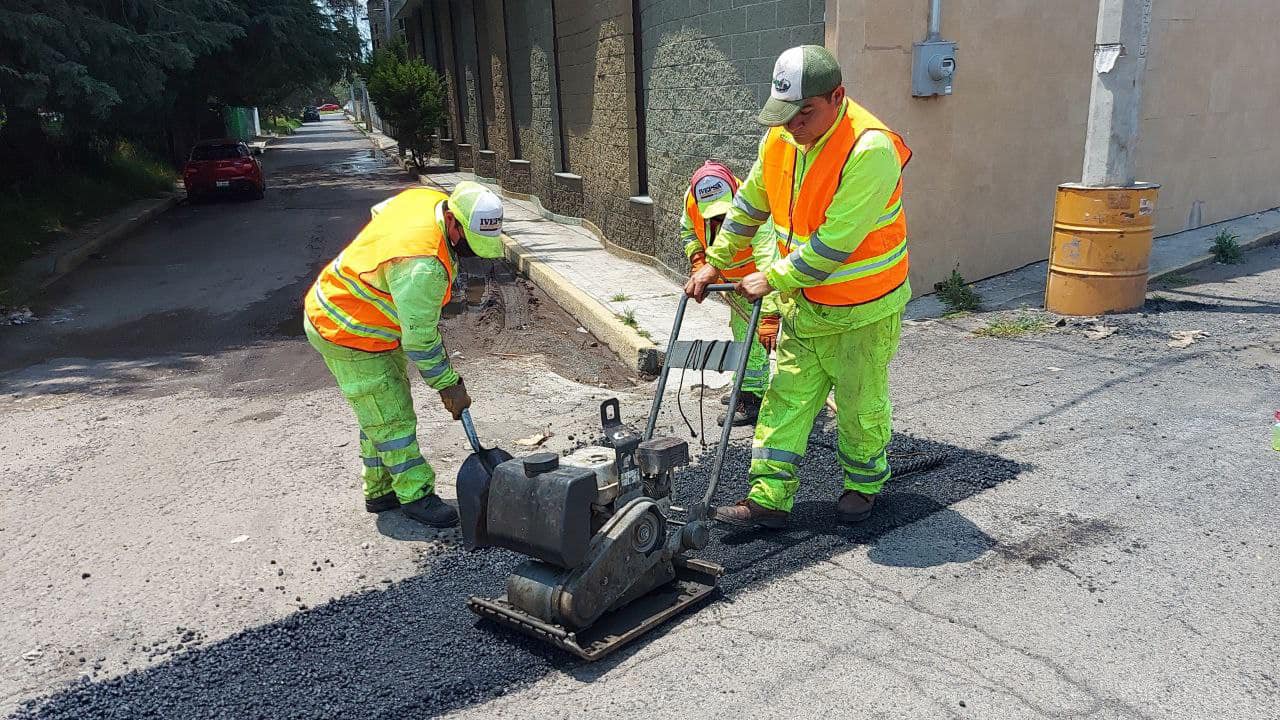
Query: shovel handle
469	428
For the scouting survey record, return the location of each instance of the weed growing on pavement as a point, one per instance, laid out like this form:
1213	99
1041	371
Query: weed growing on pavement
1226	248
957	295
1013	326
1176	280
628	317
620	297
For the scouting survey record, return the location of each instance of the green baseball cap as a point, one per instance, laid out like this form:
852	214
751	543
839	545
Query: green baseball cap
799	74
479	210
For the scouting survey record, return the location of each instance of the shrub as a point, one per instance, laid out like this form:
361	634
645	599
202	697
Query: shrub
1226	248
956	294
410	97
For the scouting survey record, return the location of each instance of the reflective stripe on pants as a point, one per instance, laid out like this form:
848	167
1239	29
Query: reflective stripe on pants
856	364
377	388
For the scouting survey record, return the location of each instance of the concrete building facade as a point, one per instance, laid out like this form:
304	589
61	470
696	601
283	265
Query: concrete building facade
602	110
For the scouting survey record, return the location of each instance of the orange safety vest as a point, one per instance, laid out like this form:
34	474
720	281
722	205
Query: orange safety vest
742	265
344	306
879	265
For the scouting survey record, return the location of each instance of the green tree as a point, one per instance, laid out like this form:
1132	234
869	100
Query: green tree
288	46
410	97
93	66
113	69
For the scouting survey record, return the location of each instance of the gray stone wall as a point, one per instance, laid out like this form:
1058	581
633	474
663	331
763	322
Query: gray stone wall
464	42
441	10
490	31
706	68
420	32
598	108
532	97
424	18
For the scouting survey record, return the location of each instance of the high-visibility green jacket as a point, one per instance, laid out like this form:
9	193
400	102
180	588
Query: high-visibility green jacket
869	178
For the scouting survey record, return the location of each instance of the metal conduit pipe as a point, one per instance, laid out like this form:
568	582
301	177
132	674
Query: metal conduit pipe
935	20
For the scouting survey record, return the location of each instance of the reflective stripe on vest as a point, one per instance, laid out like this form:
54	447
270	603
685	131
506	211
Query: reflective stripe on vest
879	265
742	263
344	306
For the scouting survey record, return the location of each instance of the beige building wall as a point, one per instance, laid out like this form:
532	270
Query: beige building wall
980	188
1211	109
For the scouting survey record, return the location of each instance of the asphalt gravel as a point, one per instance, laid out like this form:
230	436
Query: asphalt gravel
413	649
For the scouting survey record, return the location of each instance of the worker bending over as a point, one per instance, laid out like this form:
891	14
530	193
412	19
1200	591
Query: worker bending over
376	307
708	200
829	175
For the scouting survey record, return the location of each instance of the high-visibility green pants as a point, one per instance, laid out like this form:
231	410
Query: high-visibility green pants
376	386
856	363
757	376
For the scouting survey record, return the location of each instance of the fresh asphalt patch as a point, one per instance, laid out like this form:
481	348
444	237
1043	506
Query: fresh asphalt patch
413	649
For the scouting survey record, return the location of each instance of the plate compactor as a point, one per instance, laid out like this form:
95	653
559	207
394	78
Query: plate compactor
609	554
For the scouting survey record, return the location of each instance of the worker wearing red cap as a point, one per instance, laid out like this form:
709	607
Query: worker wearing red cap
709	199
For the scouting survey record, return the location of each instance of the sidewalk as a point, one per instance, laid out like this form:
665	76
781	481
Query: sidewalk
1170	254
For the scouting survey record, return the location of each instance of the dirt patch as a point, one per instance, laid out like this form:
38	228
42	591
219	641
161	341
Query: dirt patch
506	317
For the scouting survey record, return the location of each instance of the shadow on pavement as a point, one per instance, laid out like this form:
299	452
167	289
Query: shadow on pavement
944	537
413	649
397	526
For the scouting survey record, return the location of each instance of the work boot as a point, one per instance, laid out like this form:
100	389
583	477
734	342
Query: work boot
431	511
747	412
382	503
749	513
854	506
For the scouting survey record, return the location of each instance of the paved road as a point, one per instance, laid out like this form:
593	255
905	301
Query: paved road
1101	545
166	405
1130	570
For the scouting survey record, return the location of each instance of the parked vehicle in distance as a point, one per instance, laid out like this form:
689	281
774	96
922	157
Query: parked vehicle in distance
330	107
224	165
310	114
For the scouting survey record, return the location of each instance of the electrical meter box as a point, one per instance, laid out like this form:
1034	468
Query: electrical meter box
933	65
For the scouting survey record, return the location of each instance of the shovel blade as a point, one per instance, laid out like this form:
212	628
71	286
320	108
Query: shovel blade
473	494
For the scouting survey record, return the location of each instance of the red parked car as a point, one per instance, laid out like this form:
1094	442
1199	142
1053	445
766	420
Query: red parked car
223	166
329	107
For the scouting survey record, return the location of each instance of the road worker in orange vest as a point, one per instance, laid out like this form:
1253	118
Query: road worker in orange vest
706	203
376	307
829	176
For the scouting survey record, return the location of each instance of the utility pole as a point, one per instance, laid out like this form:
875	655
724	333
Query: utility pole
1099	255
1115	102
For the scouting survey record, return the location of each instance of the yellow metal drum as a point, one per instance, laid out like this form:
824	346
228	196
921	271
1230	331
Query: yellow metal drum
1100	248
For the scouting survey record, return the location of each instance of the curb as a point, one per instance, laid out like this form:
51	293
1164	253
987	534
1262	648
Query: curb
1268	237
639	352
48	269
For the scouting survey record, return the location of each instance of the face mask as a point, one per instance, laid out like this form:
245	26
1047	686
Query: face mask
463	248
